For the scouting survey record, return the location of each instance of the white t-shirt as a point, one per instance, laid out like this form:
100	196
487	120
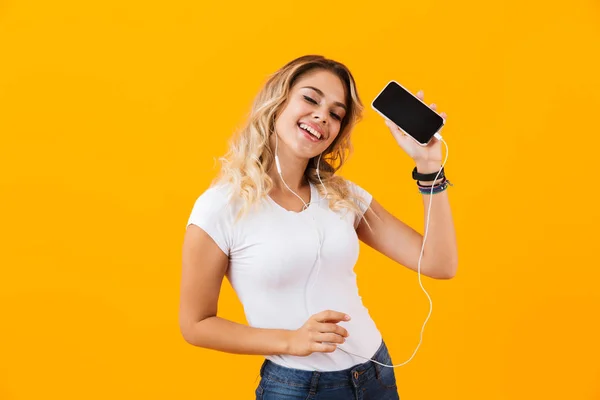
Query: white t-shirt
273	259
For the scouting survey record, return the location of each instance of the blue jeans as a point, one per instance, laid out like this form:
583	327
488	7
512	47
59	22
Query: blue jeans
361	382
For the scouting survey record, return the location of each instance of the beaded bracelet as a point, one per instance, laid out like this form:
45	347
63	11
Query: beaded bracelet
443	180
435	189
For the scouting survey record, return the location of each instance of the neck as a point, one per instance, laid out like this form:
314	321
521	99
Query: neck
292	169
292	172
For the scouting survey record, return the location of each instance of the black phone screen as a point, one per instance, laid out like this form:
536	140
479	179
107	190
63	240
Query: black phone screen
408	112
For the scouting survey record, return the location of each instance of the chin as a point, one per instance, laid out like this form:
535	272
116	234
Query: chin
305	154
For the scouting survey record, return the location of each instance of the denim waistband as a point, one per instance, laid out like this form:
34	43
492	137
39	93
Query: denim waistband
326	379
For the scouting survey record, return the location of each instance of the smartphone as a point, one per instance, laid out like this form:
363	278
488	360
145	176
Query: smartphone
407	111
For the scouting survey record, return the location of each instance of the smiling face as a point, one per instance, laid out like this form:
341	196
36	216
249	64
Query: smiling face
311	117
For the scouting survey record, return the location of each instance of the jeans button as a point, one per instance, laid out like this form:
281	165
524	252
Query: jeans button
355	374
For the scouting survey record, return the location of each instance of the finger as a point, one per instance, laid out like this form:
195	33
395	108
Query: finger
329	338
392	126
398	133
395	129
433	106
420	94
325	328
444	115
331	316
323	347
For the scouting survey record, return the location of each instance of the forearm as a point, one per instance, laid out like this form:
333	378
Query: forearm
223	335
440	254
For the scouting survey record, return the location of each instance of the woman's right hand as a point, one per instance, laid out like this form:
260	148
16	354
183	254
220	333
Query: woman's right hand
318	334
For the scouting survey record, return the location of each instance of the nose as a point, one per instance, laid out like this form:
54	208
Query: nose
319	116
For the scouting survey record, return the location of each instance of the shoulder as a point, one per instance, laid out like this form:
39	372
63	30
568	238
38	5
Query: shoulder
216	199
359	194
213	213
219	193
359	197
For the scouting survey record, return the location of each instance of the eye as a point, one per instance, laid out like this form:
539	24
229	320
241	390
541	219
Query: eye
311	100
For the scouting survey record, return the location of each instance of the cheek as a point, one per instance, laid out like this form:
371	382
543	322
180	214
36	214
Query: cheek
302	110
292	113
284	118
331	139
334	131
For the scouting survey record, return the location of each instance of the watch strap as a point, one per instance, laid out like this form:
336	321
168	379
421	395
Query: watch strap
426	177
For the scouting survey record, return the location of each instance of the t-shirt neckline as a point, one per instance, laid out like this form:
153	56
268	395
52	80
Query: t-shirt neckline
313	198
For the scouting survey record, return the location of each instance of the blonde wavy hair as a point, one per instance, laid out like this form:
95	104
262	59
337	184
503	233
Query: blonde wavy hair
250	156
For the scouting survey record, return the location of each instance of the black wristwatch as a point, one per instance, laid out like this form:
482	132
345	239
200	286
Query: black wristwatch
426	177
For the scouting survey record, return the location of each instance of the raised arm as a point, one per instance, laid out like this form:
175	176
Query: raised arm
401	243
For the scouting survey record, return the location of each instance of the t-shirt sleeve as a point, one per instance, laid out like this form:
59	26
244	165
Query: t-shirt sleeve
366	198
212	213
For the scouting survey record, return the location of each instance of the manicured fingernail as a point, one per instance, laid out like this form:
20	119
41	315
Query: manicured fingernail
347	318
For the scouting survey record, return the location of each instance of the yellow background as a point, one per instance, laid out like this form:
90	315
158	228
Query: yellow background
112	114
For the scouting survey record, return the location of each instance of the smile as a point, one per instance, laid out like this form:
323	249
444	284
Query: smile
310	130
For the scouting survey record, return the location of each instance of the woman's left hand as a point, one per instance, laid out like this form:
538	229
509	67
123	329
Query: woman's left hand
430	154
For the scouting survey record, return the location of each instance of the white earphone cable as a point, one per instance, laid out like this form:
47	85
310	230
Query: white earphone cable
439	137
306	205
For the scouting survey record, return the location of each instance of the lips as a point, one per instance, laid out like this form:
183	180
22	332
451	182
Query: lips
315	127
308	136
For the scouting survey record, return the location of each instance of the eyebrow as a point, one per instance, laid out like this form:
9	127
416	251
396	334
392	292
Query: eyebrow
337	103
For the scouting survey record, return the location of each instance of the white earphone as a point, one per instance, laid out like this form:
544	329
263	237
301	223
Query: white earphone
320	241
319	236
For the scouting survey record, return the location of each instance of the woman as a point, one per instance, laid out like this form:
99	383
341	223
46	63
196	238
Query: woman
284	229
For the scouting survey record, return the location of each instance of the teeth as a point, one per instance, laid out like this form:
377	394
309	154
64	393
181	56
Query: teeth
310	130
